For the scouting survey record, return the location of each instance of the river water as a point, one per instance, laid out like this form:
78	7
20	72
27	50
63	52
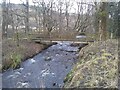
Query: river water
45	70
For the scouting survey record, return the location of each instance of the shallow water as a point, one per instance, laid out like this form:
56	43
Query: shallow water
46	70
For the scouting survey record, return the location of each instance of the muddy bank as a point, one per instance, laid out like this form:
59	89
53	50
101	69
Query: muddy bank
12	55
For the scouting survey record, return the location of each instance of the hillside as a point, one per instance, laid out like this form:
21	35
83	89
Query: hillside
97	66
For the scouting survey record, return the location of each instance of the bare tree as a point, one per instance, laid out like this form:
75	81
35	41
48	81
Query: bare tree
96	17
67	4
47	12
50	20
4	18
44	14
84	16
11	17
26	15
103	21
58	16
35	13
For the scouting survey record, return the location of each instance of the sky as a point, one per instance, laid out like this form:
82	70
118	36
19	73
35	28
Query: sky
71	1
30	1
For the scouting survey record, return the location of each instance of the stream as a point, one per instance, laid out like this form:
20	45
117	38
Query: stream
45	70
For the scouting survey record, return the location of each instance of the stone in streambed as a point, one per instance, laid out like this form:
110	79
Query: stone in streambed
47	58
32	61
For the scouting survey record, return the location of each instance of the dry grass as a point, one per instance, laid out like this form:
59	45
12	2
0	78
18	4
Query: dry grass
98	67
12	55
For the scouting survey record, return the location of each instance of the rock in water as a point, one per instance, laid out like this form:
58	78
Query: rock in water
47	58
22	85
54	84
17	73
32	61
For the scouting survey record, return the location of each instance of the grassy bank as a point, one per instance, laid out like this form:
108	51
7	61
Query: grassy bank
97	67
13	55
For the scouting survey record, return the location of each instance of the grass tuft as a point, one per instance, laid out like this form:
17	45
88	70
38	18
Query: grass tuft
16	60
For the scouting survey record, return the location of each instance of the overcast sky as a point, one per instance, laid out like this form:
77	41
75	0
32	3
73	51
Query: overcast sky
30	1
73	2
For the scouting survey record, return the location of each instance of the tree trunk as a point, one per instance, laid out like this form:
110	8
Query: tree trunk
103	21
4	21
27	17
17	36
118	31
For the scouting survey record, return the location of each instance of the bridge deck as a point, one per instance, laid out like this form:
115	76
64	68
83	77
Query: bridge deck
55	41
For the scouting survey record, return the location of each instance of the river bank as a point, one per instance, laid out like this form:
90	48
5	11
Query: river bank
97	67
13	55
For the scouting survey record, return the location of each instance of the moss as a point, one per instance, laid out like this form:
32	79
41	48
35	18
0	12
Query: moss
103	14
